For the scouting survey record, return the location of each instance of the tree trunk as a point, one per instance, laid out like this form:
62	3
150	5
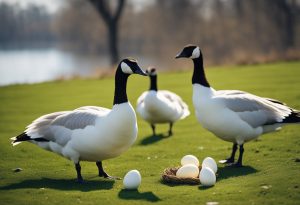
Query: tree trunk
111	20
113	42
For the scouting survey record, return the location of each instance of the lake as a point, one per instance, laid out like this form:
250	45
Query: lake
33	66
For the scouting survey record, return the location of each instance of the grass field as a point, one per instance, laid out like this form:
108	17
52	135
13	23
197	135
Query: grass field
271	174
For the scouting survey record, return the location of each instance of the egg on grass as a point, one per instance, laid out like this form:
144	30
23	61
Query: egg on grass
188	171
132	180
189	159
207	176
211	163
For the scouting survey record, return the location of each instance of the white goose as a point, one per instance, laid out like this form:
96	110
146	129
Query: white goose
89	133
233	115
160	106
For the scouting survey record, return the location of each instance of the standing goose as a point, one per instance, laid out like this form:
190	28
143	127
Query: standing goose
233	115
160	106
89	133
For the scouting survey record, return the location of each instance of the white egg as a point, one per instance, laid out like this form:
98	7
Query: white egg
207	176
189	159
132	179
211	163
188	171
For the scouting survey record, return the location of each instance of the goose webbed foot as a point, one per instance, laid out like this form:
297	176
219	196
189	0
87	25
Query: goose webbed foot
227	161
112	177
102	173
230	160
239	163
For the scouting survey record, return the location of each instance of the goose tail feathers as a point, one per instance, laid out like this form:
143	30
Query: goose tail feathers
20	138
294	117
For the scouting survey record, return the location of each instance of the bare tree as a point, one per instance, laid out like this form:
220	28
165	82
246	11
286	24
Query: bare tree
111	20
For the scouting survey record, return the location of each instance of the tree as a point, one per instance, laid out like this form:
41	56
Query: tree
111	20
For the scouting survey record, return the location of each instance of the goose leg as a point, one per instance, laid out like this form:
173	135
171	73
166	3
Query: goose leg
102	173
153	129
231	158
239	163
78	170
170	129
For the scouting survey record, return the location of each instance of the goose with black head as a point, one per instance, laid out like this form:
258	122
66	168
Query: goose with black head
234	115
160	106
89	133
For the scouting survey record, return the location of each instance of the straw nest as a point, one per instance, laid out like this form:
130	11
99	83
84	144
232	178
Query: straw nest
169	176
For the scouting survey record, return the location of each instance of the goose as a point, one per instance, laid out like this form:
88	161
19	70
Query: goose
233	115
160	106
89	133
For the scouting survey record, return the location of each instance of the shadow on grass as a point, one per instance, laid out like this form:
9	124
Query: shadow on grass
60	184
201	187
136	195
228	172
153	139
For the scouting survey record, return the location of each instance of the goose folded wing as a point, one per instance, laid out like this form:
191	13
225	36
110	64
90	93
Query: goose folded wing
173	98
58	127
254	110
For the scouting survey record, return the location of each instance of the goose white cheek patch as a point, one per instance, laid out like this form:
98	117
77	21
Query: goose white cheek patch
125	68
196	53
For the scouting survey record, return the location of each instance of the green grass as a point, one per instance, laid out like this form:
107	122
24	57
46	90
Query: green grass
50	179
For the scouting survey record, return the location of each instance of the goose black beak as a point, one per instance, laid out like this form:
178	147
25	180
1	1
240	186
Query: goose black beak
180	55
139	71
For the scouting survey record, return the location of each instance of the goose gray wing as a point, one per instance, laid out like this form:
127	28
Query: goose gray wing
78	119
58	127
172	97
254	110
239	92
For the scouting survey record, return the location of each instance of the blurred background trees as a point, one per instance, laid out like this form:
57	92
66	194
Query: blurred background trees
229	31
111	20
30	27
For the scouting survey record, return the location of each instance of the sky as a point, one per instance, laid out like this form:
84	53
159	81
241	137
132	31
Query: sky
54	5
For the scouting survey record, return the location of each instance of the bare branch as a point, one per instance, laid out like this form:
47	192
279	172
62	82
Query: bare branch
103	10
119	10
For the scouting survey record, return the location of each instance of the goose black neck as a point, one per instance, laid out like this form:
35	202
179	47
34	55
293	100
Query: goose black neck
120	87
199	74
153	82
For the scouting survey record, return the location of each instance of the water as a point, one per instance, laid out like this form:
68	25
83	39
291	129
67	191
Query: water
33	66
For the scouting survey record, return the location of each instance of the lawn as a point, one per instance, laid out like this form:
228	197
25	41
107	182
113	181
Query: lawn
271	174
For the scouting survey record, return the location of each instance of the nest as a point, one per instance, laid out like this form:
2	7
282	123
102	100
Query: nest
169	176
